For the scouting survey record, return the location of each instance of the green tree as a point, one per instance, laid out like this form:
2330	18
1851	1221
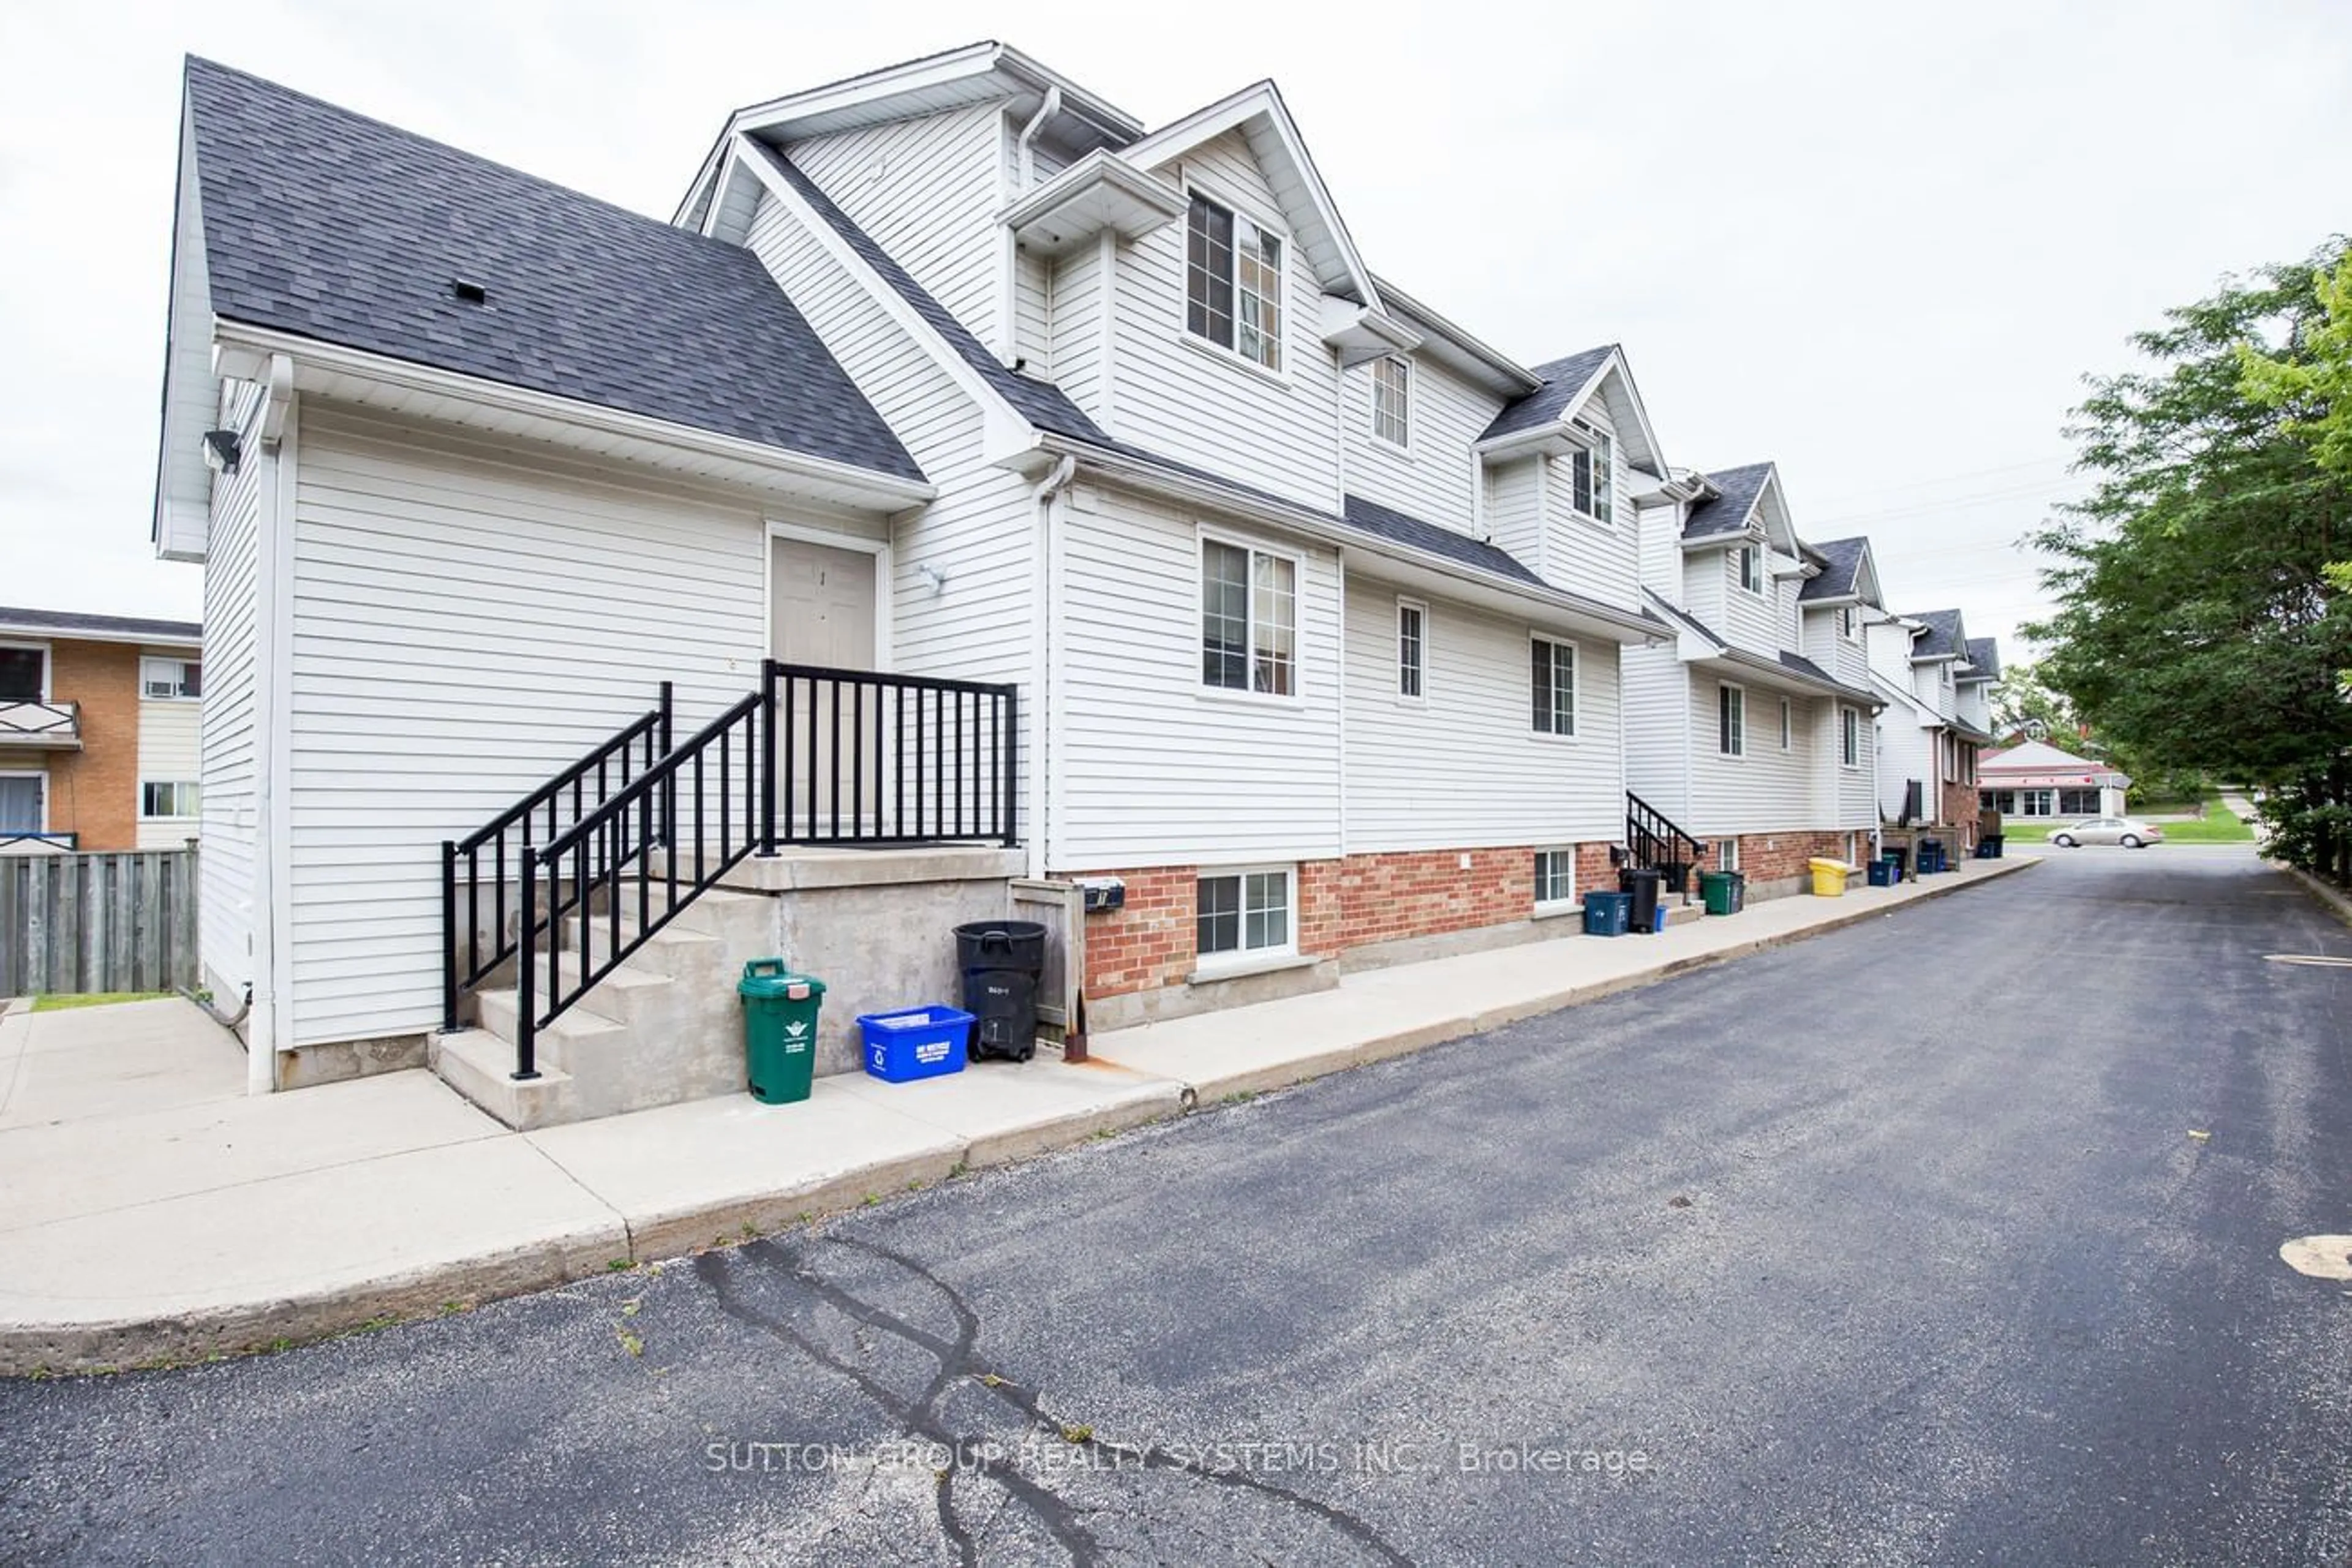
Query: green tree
2198	625
2023	703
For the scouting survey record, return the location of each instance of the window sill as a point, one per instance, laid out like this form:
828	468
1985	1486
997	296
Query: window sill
1241	969
1381	443
1554	737
1239	697
1557	911
1233	357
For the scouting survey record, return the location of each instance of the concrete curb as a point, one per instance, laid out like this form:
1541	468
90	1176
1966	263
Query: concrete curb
1405	1042
2329	897
590	1251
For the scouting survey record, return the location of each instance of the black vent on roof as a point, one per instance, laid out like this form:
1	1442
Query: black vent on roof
470	293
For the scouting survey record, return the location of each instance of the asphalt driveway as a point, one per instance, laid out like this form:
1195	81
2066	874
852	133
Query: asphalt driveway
1949	1237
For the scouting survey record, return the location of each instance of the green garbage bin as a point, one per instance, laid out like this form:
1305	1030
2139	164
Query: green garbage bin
1715	888
780	1012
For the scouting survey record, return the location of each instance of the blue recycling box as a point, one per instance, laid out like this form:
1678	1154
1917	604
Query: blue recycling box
1882	873
1607	914
912	1043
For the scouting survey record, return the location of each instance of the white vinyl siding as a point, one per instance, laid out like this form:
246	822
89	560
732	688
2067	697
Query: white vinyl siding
1156	768
170	749
1658	735
1075	326
1514	508
1579	554
469	615
928	191
228	744
1432	480
1469	745
1767	790
1185	399
1032	275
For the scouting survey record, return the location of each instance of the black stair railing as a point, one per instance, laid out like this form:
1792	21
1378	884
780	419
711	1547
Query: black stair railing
814	757
504	849
1653	841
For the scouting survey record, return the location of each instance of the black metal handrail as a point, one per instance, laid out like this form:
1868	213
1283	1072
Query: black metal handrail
544	815
863	757
1653	841
604	857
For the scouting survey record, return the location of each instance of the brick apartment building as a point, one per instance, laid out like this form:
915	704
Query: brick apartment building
97	732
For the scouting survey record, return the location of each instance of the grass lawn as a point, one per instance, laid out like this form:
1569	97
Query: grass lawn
94	999
2220	826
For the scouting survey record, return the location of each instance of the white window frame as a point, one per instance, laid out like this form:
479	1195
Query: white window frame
180	788
1280	234
1726	853
1256	548
1575	689
1849	740
1597	458
1787	724
48	663
1741	557
1562	902
1210	964
1849	622
40	777
1730	728
179	684
1402	440
1418	668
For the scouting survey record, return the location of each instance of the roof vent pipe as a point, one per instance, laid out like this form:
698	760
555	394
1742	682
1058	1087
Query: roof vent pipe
1045	111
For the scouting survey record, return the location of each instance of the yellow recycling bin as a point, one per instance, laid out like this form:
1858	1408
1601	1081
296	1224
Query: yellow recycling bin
1829	878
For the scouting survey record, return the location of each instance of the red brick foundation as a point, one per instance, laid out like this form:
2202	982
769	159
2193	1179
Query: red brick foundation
1777	856
1353	902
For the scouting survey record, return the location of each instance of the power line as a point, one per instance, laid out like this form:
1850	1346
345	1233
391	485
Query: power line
1847	497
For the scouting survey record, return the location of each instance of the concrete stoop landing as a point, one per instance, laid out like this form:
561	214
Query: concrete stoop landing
665	1027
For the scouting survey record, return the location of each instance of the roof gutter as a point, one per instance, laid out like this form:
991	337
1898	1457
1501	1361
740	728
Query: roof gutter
1327	529
888	489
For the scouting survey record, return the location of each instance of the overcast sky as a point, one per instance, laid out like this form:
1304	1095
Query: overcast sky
1877	248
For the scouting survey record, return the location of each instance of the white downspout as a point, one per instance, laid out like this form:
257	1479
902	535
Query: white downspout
1028	160
272	932
1045	663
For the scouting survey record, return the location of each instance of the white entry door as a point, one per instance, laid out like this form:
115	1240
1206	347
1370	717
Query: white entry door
823	611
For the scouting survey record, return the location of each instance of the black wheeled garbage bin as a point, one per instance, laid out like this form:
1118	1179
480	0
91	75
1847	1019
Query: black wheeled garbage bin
1738	890
1644	887
1001	962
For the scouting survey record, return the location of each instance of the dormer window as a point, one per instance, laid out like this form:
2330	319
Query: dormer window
1391	400
1233	284
1592	474
1849	623
1752	569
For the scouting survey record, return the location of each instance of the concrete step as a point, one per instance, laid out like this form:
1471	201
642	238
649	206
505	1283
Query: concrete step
480	1065
559	1043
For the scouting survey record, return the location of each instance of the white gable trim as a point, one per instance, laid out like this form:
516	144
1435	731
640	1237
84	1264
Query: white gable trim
1007	431
1614	366
1337	267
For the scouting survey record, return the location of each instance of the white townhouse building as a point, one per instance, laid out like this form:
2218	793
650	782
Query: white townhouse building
1938	682
1752	729
969	477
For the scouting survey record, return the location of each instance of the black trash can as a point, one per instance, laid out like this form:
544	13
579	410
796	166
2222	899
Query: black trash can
1643	886
1991	846
1738	890
1677	877
1901	854
1001	962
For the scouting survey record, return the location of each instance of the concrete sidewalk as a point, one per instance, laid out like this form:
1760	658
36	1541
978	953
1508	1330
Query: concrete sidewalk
150	1210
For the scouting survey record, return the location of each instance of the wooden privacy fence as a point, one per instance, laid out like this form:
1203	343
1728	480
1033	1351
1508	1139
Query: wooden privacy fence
71	924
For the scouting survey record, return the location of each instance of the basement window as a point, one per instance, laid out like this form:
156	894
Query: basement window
1246	915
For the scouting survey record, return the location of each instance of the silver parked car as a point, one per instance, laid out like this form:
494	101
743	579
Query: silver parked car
2128	831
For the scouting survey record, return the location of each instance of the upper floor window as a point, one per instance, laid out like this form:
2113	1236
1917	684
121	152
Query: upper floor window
1849	738
177	798
1412	647
1249	619
1849	623
170	678
1233	284
1592	471
24	674
1555	687
1732	720
1751	568
1788	727
1391	400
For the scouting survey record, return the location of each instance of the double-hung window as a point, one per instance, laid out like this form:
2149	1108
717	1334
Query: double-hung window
1412	649
1788	729
1555	878
1249	619
1554	672
1849	738
1593	477
1732	720
24	674
1752	569
1849	623
1244	914
1232	283
170	678
1393	401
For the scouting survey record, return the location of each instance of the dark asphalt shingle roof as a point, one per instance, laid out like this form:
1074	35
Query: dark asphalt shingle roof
1942	637
1728	513
1044	406
1563	380
1841	571
1985	654
335	226
1388	524
1680	616
74	624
